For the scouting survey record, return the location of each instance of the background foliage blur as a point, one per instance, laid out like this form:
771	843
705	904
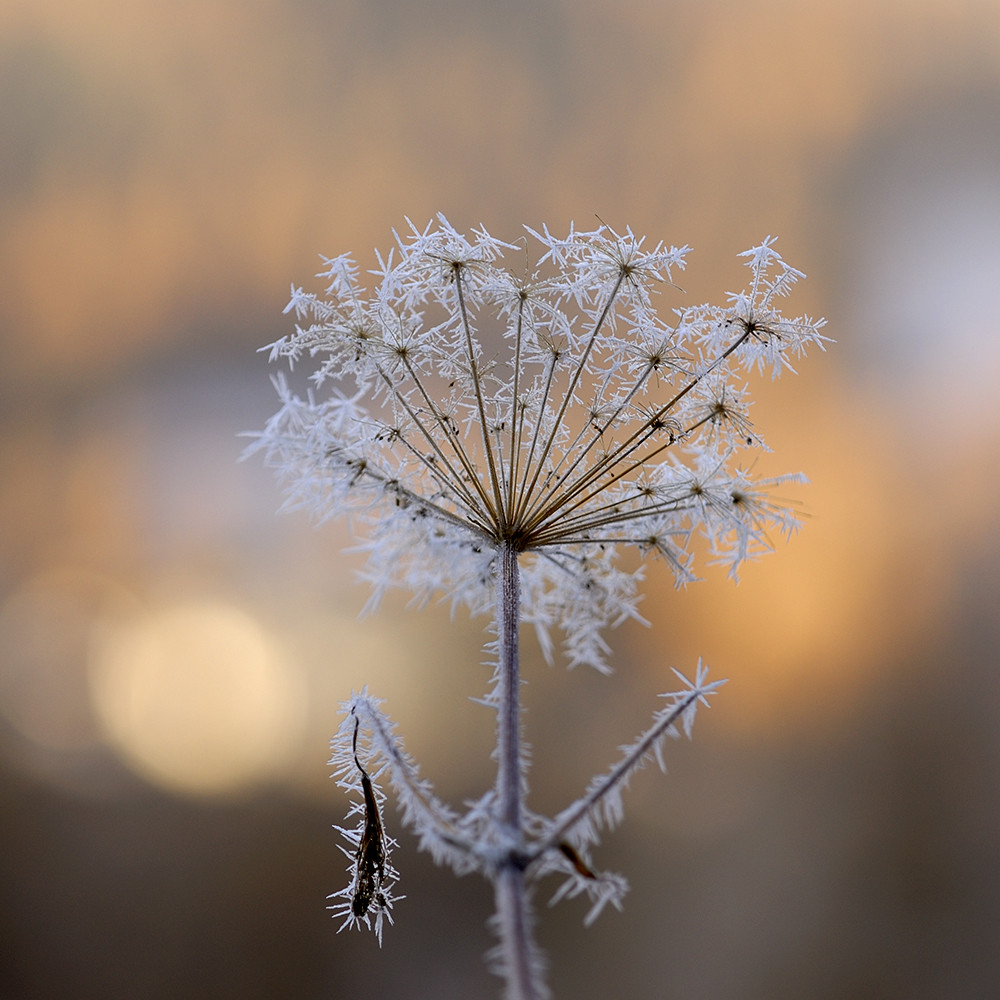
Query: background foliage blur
172	653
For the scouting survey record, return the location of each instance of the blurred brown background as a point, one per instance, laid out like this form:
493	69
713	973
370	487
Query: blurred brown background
172	652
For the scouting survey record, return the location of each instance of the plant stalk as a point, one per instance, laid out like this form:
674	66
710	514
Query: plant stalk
513	912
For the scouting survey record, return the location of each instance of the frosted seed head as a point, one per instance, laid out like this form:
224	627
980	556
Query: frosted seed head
469	400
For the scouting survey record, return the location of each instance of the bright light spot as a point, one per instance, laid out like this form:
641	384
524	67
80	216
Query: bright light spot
198	699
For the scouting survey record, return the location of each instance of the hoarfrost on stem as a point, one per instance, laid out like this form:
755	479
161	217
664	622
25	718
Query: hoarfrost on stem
498	431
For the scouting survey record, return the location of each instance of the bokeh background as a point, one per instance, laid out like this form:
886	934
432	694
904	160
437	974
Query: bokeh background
173	652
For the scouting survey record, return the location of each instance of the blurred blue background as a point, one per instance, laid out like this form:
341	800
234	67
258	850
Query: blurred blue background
172	652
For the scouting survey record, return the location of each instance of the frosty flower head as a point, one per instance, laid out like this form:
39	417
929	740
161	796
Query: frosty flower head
471	401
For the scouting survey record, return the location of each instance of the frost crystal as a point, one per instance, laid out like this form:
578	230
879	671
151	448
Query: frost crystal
471	400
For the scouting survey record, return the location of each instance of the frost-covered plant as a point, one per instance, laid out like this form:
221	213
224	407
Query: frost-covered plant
498	432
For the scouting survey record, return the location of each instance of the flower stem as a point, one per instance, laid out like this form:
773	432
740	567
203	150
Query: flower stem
513	919
519	965
508	722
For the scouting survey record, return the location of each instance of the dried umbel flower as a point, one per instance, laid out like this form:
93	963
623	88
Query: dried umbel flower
497	434
465	404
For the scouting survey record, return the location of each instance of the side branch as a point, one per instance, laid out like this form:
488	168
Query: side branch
433	821
601	805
